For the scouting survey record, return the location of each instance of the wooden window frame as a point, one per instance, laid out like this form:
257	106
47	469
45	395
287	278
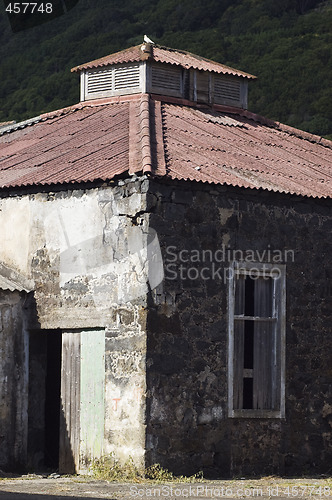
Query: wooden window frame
279	308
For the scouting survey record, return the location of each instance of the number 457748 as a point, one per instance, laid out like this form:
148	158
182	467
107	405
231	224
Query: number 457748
29	8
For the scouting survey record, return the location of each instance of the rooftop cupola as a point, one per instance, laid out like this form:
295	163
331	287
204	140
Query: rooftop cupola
153	69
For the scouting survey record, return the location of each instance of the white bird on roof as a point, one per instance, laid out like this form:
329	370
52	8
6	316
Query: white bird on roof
146	39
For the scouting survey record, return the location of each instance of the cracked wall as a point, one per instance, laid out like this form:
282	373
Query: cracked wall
86	252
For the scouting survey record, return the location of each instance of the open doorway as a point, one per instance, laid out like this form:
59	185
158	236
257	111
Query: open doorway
44	399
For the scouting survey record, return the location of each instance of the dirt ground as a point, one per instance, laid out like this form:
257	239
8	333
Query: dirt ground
34	487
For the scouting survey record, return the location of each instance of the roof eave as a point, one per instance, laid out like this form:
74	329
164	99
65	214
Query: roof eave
142	55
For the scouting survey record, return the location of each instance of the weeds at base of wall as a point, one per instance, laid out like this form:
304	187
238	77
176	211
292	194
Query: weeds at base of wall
109	469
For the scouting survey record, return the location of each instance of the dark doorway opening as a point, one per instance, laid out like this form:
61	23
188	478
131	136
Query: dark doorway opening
44	399
52	400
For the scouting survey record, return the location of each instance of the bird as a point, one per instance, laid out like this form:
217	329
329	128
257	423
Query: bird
148	40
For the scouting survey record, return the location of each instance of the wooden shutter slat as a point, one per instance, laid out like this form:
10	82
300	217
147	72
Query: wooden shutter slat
238	364
263	341
264	369
239	294
263	297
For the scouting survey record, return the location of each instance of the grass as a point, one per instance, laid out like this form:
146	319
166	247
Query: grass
109	469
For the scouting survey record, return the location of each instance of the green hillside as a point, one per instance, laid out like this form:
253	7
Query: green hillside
286	43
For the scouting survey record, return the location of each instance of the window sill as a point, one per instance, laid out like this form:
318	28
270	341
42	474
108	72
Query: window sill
255	414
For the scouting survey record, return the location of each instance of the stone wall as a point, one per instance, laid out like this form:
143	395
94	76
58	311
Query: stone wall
188	428
93	257
13	381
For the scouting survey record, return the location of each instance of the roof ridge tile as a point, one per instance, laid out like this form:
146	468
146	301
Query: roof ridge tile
157	139
144	133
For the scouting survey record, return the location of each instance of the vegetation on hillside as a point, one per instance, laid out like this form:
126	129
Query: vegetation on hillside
286	43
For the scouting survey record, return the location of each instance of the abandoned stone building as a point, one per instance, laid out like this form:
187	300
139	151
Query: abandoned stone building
165	277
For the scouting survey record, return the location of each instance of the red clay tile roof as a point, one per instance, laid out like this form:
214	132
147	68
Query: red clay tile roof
164	55
79	146
102	139
216	148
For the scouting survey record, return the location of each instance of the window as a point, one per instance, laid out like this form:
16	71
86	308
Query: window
256	363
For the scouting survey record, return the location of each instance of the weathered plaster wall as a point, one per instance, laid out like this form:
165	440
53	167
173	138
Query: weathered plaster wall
13	380
125	349
84	249
86	252
187	424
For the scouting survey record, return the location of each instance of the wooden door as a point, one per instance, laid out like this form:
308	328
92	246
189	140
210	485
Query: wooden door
92	396
82	399
70	403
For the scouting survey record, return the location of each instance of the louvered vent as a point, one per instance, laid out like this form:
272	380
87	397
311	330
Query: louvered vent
149	76
114	80
166	80
226	90
126	77
100	80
